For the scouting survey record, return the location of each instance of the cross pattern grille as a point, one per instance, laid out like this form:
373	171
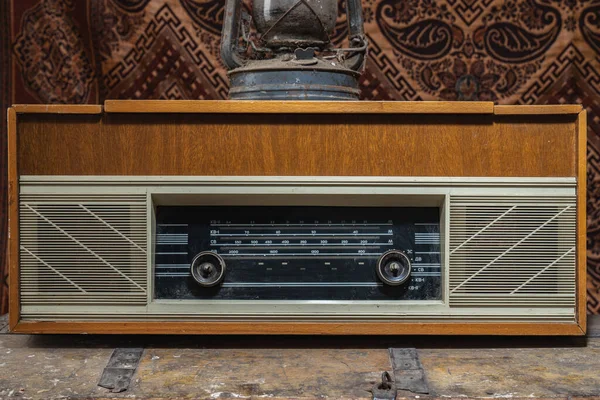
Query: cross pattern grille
512	251
80	250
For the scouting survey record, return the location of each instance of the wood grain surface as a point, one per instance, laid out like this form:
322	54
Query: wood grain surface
14	309
538	109
57	108
301	328
298	107
307	144
581	255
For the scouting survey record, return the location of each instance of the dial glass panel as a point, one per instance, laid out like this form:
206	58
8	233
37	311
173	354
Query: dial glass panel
297	253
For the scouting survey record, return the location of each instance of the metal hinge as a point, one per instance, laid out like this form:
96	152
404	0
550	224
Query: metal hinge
120	369
408	371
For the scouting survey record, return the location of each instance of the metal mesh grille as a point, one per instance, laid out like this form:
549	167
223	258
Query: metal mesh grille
512	251
83	249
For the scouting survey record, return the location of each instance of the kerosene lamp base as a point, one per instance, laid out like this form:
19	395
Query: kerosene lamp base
292	79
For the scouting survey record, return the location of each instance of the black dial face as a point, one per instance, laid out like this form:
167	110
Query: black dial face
297	253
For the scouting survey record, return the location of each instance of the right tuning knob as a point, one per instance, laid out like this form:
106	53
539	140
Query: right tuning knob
393	268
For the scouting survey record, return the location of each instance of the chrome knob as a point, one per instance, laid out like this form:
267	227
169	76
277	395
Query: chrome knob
393	268
207	269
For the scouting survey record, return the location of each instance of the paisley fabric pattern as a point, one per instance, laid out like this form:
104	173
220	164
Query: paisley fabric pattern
207	14
506	51
51	55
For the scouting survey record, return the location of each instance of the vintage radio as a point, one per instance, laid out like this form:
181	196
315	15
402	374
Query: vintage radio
244	217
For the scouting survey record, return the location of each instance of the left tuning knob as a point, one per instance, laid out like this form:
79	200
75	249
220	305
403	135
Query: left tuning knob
208	269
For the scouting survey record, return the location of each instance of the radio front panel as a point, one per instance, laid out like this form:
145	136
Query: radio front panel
404	249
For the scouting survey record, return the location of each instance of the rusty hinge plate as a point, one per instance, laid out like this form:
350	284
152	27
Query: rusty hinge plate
120	369
408	371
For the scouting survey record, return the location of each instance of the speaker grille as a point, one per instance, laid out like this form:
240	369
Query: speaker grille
512	251
83	249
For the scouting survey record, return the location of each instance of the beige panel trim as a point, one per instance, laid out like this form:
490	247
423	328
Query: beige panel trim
445	248
335	190
235	310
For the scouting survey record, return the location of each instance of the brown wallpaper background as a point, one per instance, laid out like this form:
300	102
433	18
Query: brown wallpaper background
507	51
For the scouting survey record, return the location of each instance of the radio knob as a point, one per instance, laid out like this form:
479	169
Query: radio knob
393	268
207	269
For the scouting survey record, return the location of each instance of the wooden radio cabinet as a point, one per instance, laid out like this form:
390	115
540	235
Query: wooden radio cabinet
272	217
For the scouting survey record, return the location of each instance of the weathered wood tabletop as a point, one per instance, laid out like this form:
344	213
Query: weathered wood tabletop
299	367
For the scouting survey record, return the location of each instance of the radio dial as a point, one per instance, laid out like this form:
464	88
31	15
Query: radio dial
208	269
393	268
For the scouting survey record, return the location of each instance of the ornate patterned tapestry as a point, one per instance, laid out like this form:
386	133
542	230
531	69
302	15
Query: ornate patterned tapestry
507	51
